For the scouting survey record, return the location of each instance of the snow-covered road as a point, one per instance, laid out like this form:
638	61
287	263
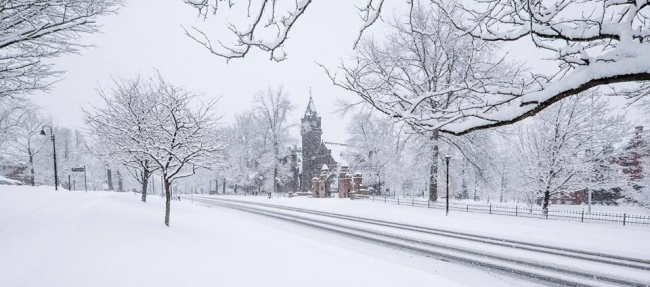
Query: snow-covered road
552	264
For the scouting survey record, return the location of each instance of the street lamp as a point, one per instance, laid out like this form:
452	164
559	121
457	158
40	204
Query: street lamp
56	177
447	161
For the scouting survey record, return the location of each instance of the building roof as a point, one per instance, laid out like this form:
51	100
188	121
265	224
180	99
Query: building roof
338	153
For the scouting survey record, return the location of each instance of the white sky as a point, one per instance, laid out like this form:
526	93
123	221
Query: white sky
147	35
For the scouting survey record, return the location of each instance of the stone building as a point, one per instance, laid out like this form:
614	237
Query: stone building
314	152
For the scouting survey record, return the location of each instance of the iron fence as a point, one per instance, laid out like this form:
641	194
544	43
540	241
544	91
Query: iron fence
518	211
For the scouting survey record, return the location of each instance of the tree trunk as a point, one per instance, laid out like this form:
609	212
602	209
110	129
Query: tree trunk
235	188
31	166
119	182
547	191
145	182
168	198
109	179
547	198
433	172
275	178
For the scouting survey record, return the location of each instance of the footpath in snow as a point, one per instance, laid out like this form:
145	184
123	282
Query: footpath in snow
65	238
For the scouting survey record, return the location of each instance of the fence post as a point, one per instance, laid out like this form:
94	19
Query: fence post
516	211
582	216
490	208
624	217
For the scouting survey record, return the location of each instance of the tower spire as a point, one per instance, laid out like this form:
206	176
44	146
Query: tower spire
311	108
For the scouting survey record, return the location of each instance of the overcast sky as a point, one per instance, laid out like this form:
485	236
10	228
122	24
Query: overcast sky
147	35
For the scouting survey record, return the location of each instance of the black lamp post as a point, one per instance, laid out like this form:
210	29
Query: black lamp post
447	161
56	177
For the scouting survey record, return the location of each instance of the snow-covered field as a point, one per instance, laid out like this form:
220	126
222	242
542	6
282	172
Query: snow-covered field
67	238
612	239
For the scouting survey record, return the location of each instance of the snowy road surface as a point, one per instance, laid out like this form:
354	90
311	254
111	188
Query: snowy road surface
552	264
72	239
629	241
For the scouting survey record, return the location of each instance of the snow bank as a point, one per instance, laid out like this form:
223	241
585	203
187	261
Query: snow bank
8	181
65	238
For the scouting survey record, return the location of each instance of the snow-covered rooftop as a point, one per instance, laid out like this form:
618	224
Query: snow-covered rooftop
338	153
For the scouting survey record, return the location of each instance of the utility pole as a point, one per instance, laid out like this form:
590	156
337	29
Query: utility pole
56	176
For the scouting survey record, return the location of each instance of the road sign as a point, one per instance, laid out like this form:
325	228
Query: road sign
82	169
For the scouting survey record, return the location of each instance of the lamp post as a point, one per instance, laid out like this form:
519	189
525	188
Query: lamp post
447	207
56	177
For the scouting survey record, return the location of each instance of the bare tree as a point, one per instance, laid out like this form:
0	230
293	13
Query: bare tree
153	125
12	113
271	108
558	150
245	153
34	30
28	141
185	137
376	149
424	73
123	127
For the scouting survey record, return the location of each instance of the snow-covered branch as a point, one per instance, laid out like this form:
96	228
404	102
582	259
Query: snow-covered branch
595	43
34	30
263	24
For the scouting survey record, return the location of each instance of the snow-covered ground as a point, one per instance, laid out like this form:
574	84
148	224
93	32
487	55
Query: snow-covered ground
65	238
629	241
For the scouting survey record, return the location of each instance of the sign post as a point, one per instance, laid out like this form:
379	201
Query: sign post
82	169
